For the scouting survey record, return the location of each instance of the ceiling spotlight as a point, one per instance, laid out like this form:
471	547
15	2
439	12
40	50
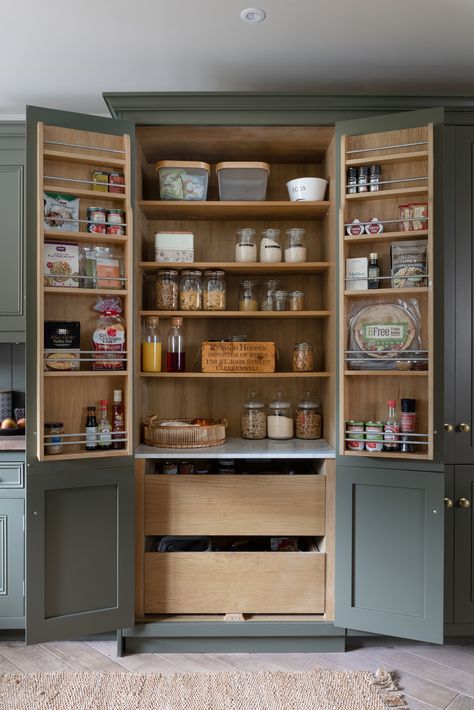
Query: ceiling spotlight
252	14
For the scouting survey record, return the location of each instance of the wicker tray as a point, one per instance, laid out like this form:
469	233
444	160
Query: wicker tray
183	437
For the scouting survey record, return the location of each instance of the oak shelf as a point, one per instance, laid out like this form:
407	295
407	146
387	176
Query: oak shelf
387	455
386	373
386	237
79	192
387	194
83	158
233	314
85	291
87	373
189	209
308	267
414	155
87	237
388	291
243	375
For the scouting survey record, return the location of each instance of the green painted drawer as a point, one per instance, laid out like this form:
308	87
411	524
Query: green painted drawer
11	475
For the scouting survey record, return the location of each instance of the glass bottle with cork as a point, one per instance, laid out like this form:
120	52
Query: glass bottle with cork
373	272
151	346
104	428
118	421
175	354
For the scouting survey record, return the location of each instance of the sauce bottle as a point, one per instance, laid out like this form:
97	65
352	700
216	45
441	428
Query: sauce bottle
91	430
104	429
175	354
151	346
118	421
373	271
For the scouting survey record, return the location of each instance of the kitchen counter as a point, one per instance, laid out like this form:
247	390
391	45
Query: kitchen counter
237	448
12	443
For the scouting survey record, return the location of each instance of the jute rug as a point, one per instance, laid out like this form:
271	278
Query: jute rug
309	690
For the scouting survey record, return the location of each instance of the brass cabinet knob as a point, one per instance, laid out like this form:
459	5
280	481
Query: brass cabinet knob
448	503
464	427
449	428
463	503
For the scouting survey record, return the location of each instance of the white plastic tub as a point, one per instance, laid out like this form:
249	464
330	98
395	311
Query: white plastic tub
242	181
308	188
183	180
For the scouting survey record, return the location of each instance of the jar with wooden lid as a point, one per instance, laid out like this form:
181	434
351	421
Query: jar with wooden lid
190	290
214	290
167	290
308	418
280	418
53	440
253	420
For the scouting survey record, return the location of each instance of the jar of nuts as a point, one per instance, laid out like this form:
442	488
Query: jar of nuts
253	421
295	300
308	418
167	290
303	357
214	290
190	290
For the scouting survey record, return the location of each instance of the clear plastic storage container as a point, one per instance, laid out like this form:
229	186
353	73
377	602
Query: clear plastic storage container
242	181
183	180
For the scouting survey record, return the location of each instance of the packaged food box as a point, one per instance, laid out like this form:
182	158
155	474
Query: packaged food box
62	345
60	212
356	274
183	180
174	246
61	265
242	181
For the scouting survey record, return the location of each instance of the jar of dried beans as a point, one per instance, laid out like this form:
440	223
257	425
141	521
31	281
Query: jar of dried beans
253	421
303	357
167	290
308	418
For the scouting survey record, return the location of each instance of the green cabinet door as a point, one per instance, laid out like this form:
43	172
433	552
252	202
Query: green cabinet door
12	199
463	545
12	563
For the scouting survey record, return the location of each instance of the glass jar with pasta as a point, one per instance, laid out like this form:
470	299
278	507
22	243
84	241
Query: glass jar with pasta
214	291
190	290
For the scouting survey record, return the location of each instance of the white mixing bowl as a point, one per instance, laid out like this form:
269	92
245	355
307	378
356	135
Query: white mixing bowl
308	188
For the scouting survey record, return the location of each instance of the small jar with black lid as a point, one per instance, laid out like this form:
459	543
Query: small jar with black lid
363	179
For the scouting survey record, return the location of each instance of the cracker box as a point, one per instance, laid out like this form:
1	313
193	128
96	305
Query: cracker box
61	265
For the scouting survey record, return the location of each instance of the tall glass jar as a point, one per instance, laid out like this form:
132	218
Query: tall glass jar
167	290
270	246
190	290
308	418
295	245
245	245
267	298
248	295
214	290
303	357
253	420
280	418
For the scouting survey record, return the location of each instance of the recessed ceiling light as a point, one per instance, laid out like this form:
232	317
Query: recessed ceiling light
252	14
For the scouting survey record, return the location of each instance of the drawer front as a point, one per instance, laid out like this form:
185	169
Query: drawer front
235	505
11	475
234	582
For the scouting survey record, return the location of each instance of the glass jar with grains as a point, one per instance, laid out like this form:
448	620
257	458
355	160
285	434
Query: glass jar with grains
214	290
248	295
253	421
167	290
308	418
280	418
303	357
190	290
267	299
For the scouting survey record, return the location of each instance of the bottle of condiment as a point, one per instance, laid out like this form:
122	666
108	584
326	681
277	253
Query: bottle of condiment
374	178
351	183
362	178
91	430
175	354
373	271
151	346
118	421
279	419
270	246
245	245
407	424
295	245
391	429
104	428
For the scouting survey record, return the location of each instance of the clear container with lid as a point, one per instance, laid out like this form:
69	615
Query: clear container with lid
245	245
53	440
280	418
295	245
242	180
268	290
308	418
214	290
167	290
270	246
295	300
303	357
253	420
248	295
190	290
281	300
183	179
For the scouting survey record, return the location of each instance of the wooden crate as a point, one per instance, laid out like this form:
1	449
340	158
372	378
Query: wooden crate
238	357
234	582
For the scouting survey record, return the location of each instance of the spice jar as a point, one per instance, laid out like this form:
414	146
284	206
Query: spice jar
53	443
269	288
190	290
280	418
308	418
295	300
167	290
245	245
281	300
253	421
248	295
303	357
214	291
295	245
270	246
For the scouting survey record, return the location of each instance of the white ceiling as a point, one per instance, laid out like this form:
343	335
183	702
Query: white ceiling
64	54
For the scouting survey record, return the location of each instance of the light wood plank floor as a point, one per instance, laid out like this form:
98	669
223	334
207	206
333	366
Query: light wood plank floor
431	677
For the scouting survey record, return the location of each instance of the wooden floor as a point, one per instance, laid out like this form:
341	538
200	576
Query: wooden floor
430	676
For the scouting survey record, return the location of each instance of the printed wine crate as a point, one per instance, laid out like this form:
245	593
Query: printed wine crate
238	357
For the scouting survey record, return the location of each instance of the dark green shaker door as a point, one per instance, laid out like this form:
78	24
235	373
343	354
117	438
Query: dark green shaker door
389	552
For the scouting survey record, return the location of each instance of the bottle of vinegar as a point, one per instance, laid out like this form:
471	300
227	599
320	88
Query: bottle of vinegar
175	354
391	437
104	428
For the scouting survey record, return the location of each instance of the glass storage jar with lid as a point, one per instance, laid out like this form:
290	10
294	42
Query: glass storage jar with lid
281	300
53	441
308	418
270	246
280	418
253	420
190	290
269	288
245	245
167	290
295	245
248	295
214	290
303	357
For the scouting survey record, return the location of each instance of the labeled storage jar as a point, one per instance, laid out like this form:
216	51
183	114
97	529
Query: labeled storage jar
253	421
267	299
53	440
295	245
281	300
190	290
183	180
295	300
167	290
280	418
308	418
242	181
303	357
245	245
248	295
214	290
270	246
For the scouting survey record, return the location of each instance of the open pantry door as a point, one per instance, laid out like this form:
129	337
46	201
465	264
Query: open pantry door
389	502
79	486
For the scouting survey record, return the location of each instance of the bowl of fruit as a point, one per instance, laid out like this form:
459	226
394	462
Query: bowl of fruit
12	427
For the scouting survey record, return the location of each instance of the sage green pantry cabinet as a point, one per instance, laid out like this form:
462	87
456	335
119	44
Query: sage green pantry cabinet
12	548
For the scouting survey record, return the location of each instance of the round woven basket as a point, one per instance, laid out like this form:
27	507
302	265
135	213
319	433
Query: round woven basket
159	432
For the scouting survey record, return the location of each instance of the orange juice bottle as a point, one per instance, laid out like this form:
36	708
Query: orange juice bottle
151	346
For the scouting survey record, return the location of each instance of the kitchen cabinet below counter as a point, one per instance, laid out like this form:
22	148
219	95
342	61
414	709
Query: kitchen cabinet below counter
237	448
